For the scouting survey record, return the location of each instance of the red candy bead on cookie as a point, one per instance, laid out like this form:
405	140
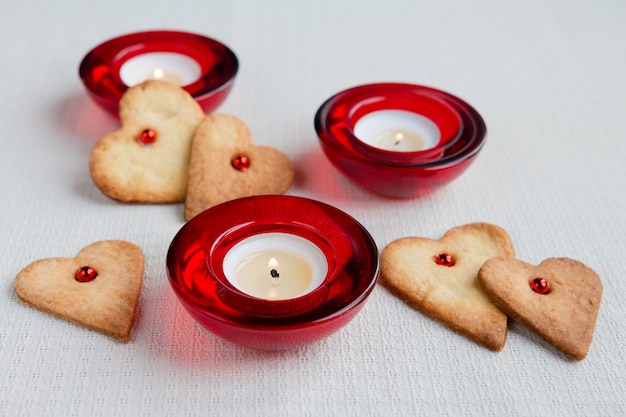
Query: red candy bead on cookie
444	259
148	136
241	163
86	274
540	286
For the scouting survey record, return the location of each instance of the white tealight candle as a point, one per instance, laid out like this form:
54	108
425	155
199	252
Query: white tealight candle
167	66
275	266
397	130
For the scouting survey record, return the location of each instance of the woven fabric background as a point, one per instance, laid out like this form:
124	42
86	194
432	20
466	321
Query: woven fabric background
546	75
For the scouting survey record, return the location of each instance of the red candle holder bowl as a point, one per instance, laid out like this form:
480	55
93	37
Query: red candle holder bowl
195	266
400	174
215	63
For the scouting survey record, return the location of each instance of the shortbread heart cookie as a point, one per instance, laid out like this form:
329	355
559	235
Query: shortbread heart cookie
226	165
99	289
147	160
559	299
439	278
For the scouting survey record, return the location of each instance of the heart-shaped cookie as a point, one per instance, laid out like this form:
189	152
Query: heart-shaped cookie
147	160
558	299
439	278
99	289
225	165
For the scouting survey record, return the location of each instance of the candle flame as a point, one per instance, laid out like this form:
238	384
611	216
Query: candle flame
273	263
159	74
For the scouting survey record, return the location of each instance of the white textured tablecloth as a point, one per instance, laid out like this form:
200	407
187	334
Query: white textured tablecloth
549	77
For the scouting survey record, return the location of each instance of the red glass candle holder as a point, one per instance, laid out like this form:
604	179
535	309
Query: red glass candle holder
400	174
217	66
195	268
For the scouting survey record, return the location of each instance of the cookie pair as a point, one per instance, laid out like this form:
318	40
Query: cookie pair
168	151
470	281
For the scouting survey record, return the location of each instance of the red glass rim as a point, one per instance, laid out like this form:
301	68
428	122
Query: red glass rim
337	116
196	254
361	102
100	68
232	296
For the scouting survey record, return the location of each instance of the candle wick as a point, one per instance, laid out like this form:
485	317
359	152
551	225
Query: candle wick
274	273
399	138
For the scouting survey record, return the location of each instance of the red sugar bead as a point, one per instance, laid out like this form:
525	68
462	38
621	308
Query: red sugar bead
148	136
86	274
444	259
241	163
540	286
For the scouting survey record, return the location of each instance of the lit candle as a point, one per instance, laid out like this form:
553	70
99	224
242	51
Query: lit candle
275	266
167	66
397	131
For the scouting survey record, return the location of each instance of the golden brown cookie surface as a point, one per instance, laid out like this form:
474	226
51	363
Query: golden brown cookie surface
225	164
147	160
439	278
105	303
563	312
